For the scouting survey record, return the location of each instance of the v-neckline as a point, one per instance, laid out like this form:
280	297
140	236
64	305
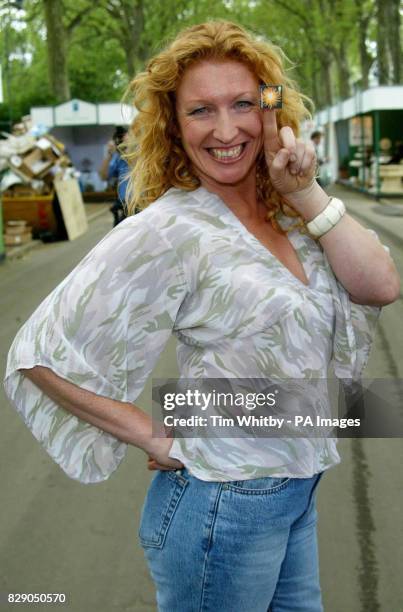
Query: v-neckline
257	244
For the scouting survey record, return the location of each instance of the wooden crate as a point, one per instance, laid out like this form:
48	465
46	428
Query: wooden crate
391	176
17	239
38	211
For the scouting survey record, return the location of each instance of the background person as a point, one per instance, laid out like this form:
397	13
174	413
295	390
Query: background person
217	258
316	138
115	168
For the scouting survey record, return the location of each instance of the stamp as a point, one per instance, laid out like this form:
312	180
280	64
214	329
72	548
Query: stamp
271	96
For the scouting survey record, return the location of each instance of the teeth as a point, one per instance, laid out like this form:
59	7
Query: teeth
226	153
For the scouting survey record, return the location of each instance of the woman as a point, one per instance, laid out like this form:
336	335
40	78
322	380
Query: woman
227	524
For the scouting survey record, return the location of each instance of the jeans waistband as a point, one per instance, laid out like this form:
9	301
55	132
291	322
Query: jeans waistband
185	472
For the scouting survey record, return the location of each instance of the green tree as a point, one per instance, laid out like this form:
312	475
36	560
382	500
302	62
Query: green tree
389	48
61	21
55	49
24	61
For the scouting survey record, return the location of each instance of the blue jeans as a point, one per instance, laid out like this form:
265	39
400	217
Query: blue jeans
239	546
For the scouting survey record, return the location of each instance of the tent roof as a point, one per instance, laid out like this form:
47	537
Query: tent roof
79	112
376	98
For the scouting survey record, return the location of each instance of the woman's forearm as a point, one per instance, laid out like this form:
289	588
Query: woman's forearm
361	263
125	421
357	258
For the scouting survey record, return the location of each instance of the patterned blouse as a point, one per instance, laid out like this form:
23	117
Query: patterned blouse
186	265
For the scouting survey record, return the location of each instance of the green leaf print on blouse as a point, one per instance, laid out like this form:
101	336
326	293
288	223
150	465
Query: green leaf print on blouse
117	353
115	315
162	321
175	291
299	317
38	337
138	263
191	246
59	353
225	370
266	362
72	325
207	277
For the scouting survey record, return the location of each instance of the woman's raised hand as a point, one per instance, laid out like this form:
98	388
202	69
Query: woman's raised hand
291	162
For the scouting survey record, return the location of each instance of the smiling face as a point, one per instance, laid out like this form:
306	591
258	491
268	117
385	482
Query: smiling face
217	106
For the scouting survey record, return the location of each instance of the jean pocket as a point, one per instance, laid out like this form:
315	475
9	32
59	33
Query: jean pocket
258	486
162	499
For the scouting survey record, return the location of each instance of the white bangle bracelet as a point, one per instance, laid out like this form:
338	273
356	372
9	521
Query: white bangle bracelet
327	219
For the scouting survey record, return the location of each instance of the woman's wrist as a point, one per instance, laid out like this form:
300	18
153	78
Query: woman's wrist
309	202
152	432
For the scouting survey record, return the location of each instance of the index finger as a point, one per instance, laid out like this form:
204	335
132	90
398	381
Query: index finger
272	142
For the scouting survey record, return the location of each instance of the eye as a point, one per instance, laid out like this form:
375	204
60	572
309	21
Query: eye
244	104
198	111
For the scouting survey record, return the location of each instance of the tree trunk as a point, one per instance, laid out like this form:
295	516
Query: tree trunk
382	42
394	41
128	20
343	73
365	58
314	81
135	27
130	53
326	82
57	49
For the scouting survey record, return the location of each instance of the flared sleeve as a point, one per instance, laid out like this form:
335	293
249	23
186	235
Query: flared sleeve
354	332
102	328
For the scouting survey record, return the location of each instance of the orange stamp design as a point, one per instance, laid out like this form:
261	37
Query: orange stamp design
271	96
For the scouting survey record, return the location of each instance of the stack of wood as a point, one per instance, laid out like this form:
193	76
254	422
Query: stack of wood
33	163
39	188
17	232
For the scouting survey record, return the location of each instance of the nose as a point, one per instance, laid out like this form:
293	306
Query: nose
225	129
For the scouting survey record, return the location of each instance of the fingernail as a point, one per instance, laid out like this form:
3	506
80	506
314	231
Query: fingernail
293	158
